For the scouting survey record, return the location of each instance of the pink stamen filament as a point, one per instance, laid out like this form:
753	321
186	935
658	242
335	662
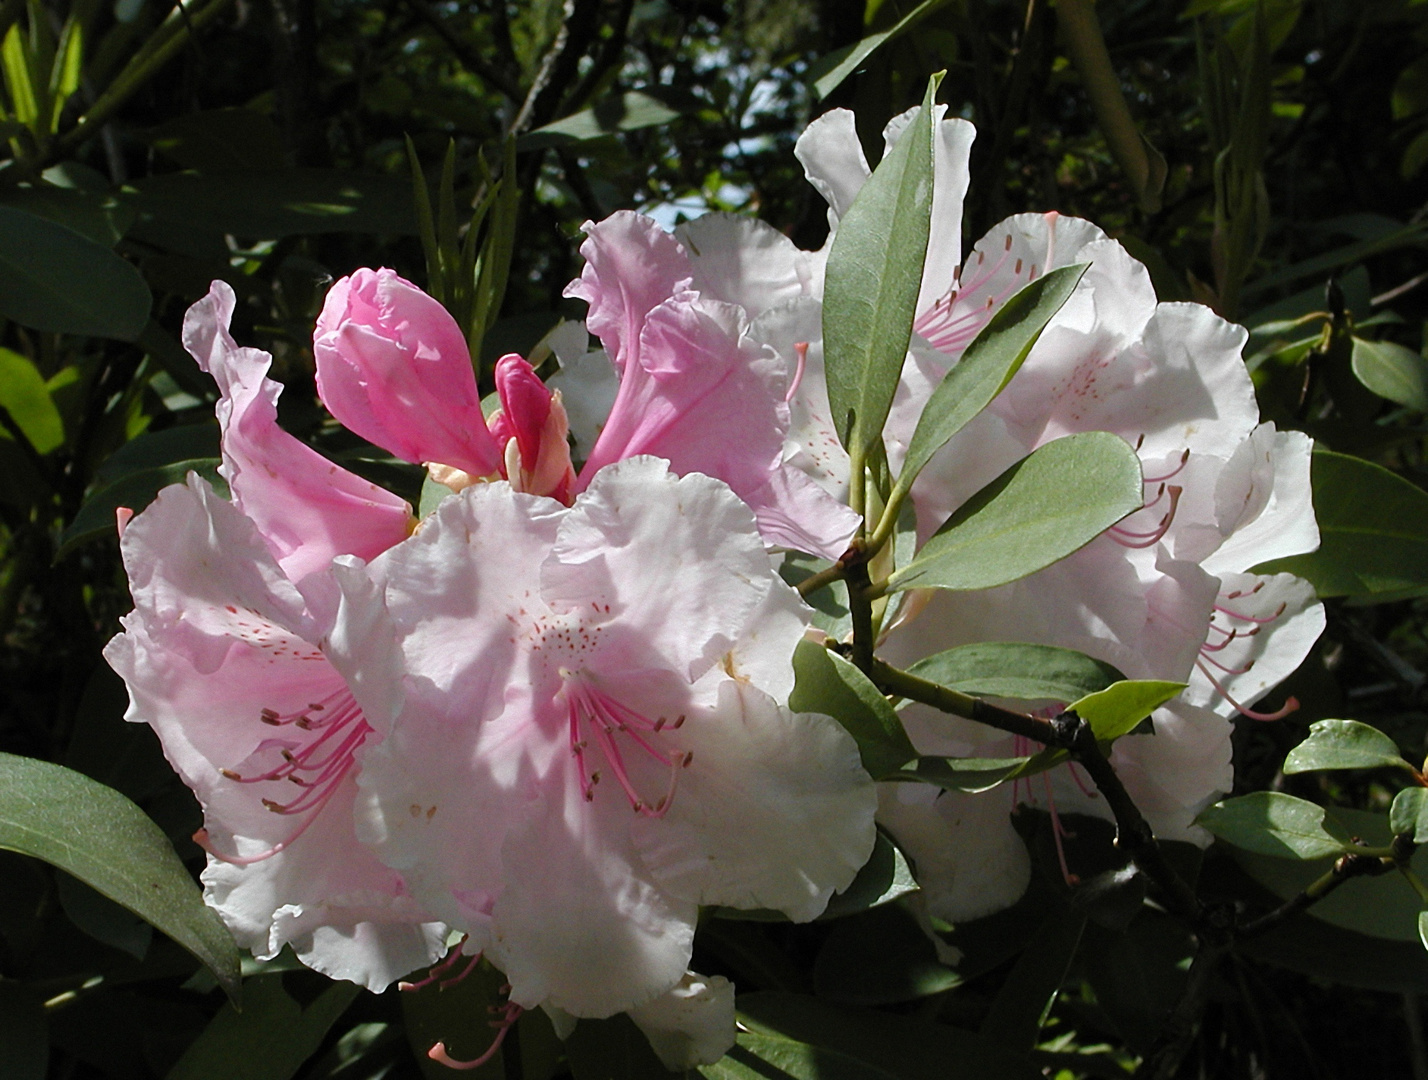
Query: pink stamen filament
1230	635
1130	538
1225	667
605	718
1261	619
801	351
345	726
509	1013
1057	832
441	967
1279	714
1172	473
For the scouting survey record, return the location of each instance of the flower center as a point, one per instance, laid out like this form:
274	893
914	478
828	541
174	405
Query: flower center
599	722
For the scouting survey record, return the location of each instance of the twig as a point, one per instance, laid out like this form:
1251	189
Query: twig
577	29
468	57
1344	869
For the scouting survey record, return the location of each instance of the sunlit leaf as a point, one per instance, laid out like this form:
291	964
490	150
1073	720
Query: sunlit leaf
1052	502
24	395
874	273
1272	823
99	836
987	365
1393	372
1016	670
1344	744
1116	710
826	683
629	111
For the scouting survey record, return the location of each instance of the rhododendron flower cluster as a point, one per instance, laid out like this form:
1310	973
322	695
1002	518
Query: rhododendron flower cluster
550	721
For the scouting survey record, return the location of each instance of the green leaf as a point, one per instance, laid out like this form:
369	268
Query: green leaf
1014	670
874	272
1393	372
1409	814
68	67
793	1037
279	202
1271	823
269	1040
987	365
629	111
1050	503
1384	907
1016	1013
19	78
24	394
829	72
1423	928
55	279
1344	744
612	1049
134	492
1116	710
94	833
880	958
826	683
1373	529
220	141
963	774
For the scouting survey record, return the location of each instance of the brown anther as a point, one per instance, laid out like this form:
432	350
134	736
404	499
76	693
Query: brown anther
275	807
304	723
268	716
230	774
678	721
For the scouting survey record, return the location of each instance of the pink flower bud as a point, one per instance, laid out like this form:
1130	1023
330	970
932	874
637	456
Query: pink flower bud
393	366
532	426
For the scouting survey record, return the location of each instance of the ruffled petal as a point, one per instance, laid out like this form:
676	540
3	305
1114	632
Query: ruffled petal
775	811
306	508
745	261
691	1025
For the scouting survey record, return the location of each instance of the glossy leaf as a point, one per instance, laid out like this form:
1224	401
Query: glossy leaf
1052	502
1409	814
1015	670
826	683
987	365
269	1040
629	111
874	273
99	836
1116	710
57	280
24	395
1373	527
830	71
1271	823
1392	372
1344	744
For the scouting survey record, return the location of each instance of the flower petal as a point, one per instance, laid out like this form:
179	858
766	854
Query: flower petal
691	1025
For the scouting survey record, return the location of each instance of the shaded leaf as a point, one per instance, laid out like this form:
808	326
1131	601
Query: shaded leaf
1116	710
134	491
54	279
873	276
269	1040
629	111
880	958
1344	744
1373	527
613	1049
1409	814
829	72
1014	1019
1271	823
1014	670
987	365
826	683
24	1035
1052	502
964	774
103	839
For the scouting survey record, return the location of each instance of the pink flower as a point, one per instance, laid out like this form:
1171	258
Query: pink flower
306	508
242	657
245	686
393	366
592	744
